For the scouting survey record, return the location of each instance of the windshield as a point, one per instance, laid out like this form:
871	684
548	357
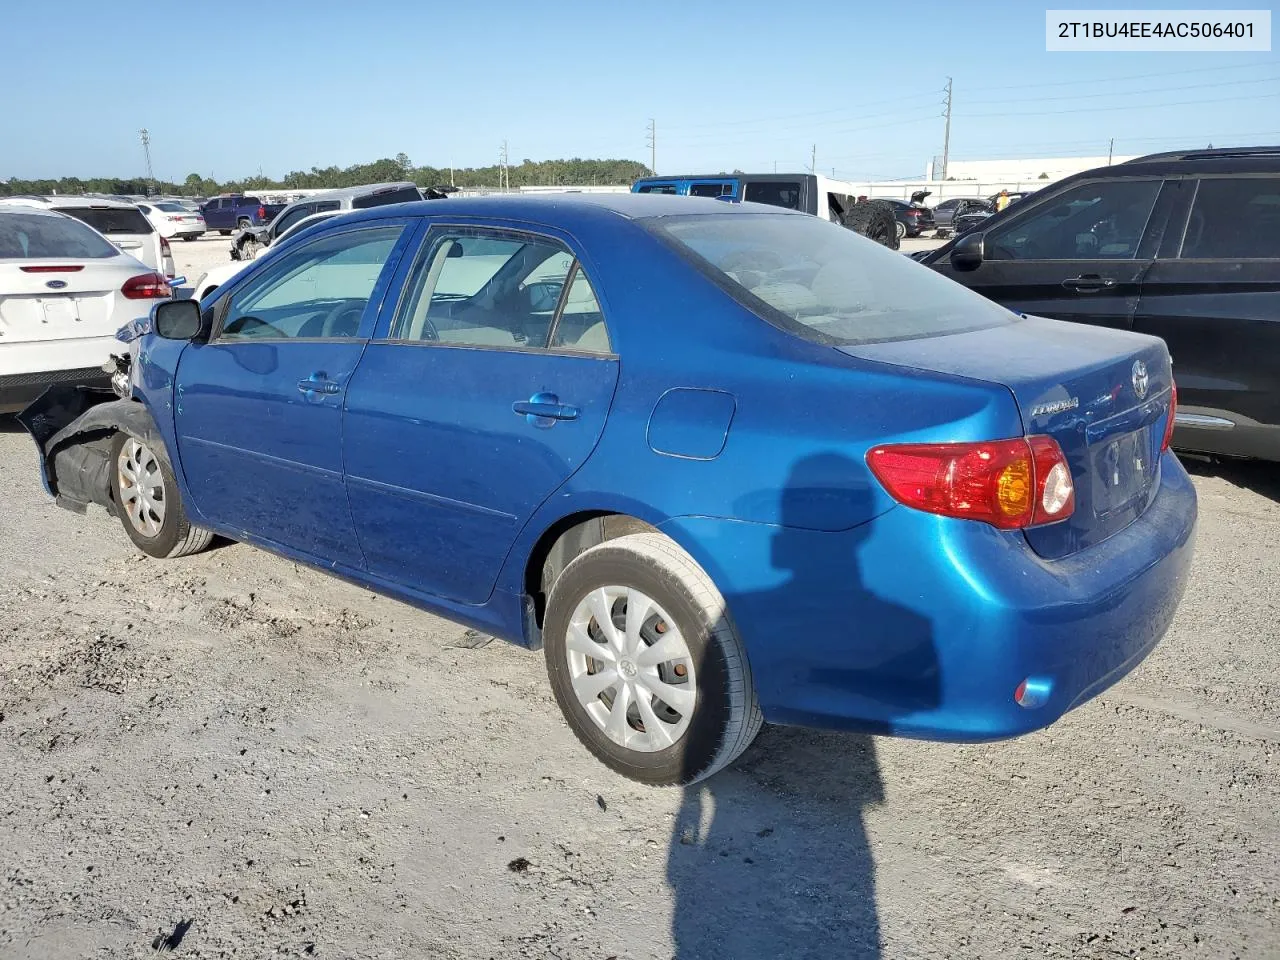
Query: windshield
825	282
33	236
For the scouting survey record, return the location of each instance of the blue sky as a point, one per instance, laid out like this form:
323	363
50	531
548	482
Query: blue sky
228	88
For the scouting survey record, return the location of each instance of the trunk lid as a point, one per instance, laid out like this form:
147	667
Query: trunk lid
1102	394
79	304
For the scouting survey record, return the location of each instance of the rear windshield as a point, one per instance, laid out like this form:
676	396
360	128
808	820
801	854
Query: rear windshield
399	195
824	282
33	236
171	207
111	220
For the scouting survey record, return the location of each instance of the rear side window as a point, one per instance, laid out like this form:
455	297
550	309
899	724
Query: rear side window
26	236
399	195
776	193
1237	219
1104	220
657	188
111	220
825	283
711	190
323	205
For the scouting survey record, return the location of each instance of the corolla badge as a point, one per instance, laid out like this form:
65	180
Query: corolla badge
1056	406
55	284
1140	380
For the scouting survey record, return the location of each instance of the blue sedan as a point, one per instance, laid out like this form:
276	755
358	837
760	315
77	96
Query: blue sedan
724	463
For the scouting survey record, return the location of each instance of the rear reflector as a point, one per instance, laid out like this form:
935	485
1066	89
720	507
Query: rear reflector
54	268
1009	484
147	286
1173	415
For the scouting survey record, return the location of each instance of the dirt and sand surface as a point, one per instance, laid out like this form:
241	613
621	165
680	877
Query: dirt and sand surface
231	755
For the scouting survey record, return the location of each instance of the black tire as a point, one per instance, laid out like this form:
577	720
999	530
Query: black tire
243	223
176	536
900	229
188	238
726	716
225	233
874	221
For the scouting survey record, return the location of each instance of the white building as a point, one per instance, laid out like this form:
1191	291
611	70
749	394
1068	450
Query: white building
1021	171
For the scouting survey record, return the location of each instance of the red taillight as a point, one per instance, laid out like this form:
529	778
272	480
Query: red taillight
54	268
147	286
165	249
1009	484
262	213
1173	415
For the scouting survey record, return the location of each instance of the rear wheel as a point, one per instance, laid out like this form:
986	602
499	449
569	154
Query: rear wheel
900	229
188	238
243	223
645	664
147	501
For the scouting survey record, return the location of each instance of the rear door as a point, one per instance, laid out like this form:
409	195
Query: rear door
1079	255
481	395
126	227
259	407
1214	297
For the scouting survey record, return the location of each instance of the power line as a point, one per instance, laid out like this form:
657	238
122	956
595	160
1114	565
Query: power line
1130	93
1145	106
1137	76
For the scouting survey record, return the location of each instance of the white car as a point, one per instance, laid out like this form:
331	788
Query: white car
219	275
64	292
120	222
173	219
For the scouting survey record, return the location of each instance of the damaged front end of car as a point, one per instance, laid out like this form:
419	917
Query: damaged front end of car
73	426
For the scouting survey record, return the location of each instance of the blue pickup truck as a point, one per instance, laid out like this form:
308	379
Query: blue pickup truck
225	214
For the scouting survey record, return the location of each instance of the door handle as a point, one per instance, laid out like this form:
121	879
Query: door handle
544	409
316	383
1088	283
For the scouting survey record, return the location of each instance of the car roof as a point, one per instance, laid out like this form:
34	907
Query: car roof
64	200
570	208
30	209
359	191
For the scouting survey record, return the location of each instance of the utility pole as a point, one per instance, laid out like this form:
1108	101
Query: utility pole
505	177
813	160
946	136
146	152
1111	150
653	146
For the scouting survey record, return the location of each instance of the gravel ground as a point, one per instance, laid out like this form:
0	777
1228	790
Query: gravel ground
231	755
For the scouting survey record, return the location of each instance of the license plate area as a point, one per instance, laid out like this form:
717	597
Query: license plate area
1124	468
61	310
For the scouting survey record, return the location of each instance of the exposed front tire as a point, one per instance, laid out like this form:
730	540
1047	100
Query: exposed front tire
147	500
645	663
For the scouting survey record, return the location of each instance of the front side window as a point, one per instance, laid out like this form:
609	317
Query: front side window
319	290
776	193
36	236
1094	221
711	190
480	289
825	283
1236	219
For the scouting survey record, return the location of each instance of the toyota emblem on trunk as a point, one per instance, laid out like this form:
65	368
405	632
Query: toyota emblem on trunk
1139	378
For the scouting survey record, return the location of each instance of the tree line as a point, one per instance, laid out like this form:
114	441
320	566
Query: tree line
576	172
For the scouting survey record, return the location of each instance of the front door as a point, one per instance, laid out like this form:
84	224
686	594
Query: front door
1079	255
486	389
259	407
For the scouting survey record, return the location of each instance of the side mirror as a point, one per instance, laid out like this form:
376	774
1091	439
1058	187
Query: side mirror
176	319
968	251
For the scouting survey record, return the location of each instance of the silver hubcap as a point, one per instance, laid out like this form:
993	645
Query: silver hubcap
631	669
141	487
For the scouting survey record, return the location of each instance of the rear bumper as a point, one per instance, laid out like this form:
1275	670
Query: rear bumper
923	626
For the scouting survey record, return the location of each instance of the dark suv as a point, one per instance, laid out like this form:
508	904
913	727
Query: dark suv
1183	245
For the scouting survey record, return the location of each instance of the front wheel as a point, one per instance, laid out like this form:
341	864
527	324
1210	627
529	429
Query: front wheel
147	501
645	664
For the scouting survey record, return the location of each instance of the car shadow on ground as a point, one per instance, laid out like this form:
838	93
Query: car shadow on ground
770	858
9	424
1260	476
